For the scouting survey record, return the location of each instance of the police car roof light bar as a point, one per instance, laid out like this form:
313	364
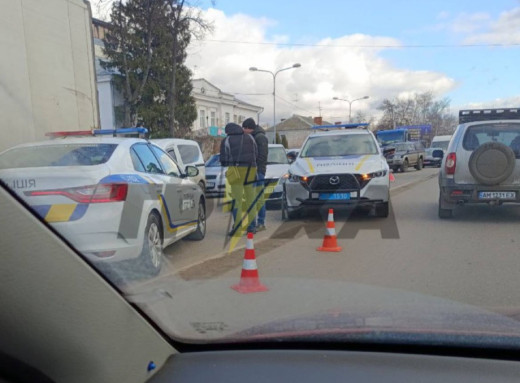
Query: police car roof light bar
472	115
69	133
114	132
345	126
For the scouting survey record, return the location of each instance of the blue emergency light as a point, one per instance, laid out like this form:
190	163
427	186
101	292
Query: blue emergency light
140	131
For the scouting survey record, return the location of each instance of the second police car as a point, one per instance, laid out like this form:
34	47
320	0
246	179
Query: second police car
338	168
116	199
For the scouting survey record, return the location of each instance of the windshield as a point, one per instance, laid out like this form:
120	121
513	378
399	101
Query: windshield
277	156
350	242
340	145
387	137
441	144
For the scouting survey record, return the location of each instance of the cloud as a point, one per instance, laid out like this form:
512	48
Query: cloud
511	102
350	67
504	30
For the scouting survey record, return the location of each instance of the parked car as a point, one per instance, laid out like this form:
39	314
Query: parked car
433	157
482	164
402	155
438	143
277	166
215	177
185	153
115	199
338	168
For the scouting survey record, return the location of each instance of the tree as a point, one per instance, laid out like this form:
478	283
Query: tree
146	48
285	143
421	109
130	47
277	139
183	21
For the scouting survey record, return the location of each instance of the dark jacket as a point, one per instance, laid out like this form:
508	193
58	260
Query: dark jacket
263	149
237	149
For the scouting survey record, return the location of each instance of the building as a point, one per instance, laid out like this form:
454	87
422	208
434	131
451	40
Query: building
296	129
47	81
216	108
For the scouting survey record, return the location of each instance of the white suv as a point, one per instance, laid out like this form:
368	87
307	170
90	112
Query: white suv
338	168
482	164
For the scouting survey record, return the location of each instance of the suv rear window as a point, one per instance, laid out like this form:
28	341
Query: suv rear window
507	134
57	155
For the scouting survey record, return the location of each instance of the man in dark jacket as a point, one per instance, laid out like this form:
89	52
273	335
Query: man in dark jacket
258	133
238	152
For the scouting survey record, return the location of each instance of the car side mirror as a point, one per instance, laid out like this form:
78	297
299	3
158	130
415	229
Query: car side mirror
192	171
438	153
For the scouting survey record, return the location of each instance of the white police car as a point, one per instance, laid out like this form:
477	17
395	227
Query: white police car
338	168
113	198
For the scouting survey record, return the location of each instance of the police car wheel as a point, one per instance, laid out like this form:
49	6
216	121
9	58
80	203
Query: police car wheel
152	253
200	233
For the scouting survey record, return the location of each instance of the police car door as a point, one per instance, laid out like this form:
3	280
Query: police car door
179	192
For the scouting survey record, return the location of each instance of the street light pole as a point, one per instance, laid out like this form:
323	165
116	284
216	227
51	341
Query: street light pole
255	69
350	105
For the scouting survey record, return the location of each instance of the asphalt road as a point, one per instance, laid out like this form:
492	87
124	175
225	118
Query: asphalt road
408	259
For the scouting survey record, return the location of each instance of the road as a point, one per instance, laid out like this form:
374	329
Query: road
470	259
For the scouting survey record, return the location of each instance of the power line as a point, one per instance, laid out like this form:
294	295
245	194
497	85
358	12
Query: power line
375	46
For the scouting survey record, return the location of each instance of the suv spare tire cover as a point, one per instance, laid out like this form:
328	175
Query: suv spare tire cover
492	163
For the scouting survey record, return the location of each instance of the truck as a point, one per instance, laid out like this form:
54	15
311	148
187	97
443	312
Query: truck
406	133
48	77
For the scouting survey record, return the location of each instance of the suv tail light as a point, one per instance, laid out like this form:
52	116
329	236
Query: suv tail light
88	194
451	163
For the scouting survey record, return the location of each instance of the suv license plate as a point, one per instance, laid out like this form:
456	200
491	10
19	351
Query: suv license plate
496	195
334	196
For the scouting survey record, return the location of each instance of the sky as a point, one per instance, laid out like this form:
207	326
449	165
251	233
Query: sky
465	50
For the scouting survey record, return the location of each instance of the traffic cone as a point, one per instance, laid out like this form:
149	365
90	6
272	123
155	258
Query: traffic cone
249	280
329	240
392	178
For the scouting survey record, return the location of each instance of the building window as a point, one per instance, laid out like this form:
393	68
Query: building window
241	119
202	118
213	119
228	118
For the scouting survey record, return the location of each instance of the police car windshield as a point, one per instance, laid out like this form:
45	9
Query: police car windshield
339	145
56	155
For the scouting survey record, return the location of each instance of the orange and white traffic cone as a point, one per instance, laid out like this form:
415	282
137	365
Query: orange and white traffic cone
329	240
392	177
249	280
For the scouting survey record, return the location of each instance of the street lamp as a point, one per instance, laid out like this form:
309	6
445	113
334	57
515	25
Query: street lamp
350	105
255	69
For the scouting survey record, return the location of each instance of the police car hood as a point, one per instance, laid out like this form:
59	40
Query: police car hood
276	170
338	164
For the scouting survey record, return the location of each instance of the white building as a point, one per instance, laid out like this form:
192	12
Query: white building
216	108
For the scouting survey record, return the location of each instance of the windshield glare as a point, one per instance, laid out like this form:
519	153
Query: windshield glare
340	145
365	236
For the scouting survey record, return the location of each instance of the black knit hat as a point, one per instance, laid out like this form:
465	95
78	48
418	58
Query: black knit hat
249	123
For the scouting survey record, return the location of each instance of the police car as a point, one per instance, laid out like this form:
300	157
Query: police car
114	198
338	168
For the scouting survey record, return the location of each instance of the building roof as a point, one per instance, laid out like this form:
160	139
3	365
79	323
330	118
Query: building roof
297	122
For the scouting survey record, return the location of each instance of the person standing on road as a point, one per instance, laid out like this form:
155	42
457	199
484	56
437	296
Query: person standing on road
238	152
262	144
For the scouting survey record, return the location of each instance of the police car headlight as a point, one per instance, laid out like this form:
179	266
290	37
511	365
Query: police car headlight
369	176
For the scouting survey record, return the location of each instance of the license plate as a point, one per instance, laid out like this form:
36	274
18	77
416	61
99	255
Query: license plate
210	185
334	196
496	195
